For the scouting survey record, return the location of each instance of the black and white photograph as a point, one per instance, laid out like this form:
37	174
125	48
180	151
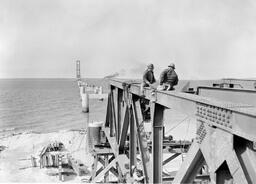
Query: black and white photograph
128	91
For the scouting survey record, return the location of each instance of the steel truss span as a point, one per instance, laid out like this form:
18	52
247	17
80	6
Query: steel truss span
223	150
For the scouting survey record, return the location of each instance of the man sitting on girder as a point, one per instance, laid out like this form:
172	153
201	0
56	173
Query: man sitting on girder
148	81
148	76
168	78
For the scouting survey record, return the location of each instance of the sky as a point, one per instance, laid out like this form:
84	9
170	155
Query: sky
206	39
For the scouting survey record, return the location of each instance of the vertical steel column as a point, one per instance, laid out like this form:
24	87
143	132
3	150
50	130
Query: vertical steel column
157	113
124	129
115	102
119	112
108	114
113	116
133	145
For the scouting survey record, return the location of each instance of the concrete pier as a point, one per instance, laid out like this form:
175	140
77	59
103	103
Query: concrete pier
94	134
85	100
100	90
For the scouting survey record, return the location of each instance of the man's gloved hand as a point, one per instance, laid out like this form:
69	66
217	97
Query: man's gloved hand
168	87
153	86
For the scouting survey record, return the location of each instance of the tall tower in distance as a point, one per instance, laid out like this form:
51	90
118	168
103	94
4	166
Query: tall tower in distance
78	75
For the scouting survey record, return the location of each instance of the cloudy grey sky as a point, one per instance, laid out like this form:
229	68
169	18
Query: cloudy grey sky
207	39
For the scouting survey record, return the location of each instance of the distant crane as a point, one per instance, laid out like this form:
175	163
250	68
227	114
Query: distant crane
78	74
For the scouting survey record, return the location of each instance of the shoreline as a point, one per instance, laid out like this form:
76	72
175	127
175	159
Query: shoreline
15	159
13	132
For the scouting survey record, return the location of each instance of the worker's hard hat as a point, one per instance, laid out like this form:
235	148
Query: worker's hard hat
172	65
150	65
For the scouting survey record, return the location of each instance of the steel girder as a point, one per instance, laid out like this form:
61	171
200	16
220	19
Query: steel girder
219	124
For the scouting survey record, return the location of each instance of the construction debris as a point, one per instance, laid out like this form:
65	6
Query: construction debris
49	156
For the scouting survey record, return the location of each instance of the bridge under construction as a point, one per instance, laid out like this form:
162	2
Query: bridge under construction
222	151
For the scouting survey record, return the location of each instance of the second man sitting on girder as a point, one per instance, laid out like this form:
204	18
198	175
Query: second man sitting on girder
168	78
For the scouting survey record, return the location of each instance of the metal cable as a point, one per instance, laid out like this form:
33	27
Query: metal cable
79	144
175	126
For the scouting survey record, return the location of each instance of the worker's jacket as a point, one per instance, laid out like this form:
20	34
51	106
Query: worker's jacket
148	77
169	76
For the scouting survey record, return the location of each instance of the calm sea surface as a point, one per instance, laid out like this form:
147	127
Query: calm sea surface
45	105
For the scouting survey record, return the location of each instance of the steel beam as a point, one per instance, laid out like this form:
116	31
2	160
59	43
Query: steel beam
166	161
114	128
106	176
104	162
157	113
101	160
104	171
108	112
191	165
132	141
220	121
124	130
112	141
115	109
119	111
95	165
243	116
121	159
247	158
229	94
236	169
114	171
142	140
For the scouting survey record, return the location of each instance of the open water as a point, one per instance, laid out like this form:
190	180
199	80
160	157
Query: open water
45	105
